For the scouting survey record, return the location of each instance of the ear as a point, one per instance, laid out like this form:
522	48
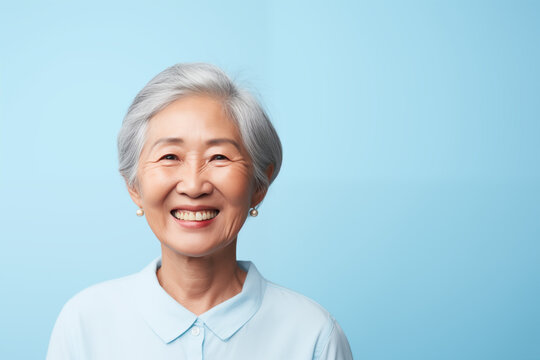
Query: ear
135	194
261	193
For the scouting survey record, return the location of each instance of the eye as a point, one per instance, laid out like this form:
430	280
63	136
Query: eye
219	157
169	157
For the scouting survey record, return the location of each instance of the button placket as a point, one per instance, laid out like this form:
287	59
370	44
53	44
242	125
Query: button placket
193	341
195	330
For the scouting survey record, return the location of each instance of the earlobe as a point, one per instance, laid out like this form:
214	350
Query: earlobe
135	195
258	197
261	193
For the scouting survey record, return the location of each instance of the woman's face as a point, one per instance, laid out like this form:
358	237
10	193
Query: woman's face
195	178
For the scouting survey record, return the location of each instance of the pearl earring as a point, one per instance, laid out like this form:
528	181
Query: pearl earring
253	212
140	212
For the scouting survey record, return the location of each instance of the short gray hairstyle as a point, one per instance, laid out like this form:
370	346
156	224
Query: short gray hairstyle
258	134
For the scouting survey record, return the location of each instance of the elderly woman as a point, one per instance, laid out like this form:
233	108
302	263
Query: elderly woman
198	155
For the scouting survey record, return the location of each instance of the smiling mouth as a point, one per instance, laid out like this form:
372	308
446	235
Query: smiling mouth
194	215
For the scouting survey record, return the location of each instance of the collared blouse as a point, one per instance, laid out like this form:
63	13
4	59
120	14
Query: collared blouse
134	318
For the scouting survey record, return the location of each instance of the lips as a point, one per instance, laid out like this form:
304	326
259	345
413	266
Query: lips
192	215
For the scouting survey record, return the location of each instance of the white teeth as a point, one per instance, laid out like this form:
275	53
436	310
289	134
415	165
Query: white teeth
195	215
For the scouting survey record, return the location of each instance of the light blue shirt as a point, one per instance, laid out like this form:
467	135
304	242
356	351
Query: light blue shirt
134	318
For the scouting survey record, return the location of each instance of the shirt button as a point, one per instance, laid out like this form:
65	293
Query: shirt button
195	331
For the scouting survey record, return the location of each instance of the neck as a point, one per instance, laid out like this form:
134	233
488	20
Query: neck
200	283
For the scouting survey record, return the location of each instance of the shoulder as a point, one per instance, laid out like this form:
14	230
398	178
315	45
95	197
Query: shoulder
298	305
98	301
300	313
84	314
306	316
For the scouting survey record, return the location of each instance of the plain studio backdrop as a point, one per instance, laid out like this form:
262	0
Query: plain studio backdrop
409	200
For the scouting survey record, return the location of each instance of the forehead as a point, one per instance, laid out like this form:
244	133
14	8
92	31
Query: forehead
193	118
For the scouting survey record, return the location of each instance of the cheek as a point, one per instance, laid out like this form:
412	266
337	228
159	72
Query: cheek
236	184
156	184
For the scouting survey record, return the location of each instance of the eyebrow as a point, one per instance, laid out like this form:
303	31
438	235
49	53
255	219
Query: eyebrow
167	140
220	141
211	142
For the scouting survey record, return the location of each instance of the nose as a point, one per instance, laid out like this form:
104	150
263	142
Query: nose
193	181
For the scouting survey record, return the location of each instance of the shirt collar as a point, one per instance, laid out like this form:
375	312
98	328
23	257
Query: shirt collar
169	320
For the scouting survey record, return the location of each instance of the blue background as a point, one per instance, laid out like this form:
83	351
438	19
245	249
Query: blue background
409	200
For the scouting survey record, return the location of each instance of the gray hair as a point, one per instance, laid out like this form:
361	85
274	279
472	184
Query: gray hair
259	136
